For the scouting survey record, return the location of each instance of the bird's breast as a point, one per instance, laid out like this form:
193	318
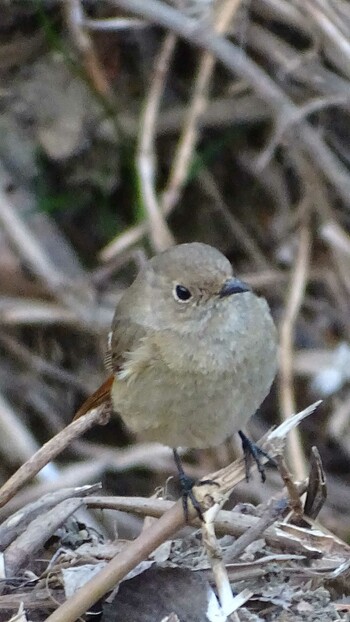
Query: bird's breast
196	391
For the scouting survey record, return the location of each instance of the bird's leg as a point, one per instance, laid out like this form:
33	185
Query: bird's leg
251	450
186	483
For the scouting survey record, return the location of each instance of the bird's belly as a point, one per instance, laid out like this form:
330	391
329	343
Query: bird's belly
193	410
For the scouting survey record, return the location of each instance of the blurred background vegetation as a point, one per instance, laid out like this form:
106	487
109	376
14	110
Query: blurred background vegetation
119	137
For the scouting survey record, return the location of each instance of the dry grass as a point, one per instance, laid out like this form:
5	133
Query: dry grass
229	128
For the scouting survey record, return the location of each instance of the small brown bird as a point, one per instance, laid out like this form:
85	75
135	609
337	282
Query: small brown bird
192	350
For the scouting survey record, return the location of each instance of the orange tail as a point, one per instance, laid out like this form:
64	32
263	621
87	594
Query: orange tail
101	396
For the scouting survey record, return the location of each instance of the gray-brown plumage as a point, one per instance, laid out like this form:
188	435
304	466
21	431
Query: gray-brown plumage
193	351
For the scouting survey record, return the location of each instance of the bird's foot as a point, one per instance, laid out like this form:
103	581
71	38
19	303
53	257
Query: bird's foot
186	484
187	493
251	450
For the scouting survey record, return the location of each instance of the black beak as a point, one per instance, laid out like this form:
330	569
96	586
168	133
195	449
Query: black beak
233	286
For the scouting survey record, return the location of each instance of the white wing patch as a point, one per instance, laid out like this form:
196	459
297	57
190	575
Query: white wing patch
108	354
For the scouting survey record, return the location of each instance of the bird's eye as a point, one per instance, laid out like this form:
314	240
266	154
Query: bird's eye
181	293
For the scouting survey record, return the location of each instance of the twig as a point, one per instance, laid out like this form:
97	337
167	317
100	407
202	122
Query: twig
74	292
237	61
37	533
219	112
158	229
339	244
328	83
119	566
129	238
317	489
273	442
293	493
28	246
230	522
72	476
338	282
306	67
49	451
31	312
336	44
293	303
335	235
286	125
284	12
38	364
238	232
11	528
135	456
164	528
273	512
215	557
75	20
187	142
20	616
113	23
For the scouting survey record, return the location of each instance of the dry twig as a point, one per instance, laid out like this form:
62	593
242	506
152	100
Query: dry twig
189	136
49	451
274	510
164	528
294	301
283	110
237	61
157	227
11	528
80	35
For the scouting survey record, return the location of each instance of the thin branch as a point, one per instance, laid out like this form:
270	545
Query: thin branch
238	232
286	125
293	304
158	229
120	565
49	451
236	60
189	136
32	312
215	556
76	293
166	527
24	547
13	526
80	35
113	23
335	43
273	512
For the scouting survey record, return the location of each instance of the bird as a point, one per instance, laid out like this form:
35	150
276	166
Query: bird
192	351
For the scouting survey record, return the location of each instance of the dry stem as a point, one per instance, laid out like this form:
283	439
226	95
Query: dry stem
293	304
236	60
49	451
164	528
188	139
83	42
158	229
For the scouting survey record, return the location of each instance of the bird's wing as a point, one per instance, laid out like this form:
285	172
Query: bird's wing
101	396
124	337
